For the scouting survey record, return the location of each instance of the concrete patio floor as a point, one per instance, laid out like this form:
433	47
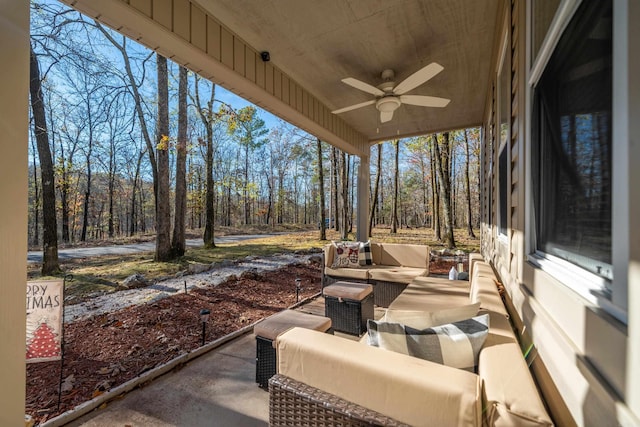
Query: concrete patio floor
215	389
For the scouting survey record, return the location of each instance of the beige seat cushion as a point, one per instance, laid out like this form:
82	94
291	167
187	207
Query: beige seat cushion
346	290
360	273
512	398
281	322
431	297
440	284
408	389
389	273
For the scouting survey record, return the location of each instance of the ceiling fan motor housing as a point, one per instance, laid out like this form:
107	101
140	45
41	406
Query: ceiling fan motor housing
388	104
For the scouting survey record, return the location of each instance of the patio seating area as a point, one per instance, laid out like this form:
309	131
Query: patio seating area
480	376
322	378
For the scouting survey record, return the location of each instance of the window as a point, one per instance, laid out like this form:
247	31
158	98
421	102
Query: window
571	144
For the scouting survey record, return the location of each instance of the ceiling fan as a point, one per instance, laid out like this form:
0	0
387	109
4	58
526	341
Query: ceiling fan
390	96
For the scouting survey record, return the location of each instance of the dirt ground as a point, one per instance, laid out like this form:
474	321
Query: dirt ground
108	350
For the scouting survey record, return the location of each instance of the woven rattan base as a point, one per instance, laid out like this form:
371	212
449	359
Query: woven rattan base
347	315
292	403
265	361
386	292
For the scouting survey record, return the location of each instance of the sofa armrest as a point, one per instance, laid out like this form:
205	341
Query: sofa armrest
292	403
407	389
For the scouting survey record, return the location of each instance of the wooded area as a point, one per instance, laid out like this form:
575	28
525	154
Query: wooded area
125	142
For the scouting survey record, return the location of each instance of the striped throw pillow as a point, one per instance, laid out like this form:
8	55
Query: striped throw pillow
455	344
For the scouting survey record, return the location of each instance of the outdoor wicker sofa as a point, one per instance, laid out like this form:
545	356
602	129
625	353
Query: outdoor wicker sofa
393	267
330	380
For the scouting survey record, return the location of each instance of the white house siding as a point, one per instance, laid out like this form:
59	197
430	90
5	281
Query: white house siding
585	360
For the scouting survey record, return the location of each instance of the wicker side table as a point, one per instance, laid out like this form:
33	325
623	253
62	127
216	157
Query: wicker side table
269	329
349	306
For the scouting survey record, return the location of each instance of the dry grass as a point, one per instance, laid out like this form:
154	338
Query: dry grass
103	274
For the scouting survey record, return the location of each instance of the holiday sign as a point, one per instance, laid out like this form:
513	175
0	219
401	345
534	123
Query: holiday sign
44	320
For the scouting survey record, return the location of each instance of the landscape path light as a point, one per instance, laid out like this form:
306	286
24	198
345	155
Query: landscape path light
298	288
204	318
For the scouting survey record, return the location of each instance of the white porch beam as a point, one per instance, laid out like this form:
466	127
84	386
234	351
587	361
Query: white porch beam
362	232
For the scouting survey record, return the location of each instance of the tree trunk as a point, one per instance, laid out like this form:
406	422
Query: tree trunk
435	190
112	179
345	196
87	193
423	175
323	232
334	188
375	190
178	242
50	263
36	200
134	220
206	115
442	168
163	209
394	213
470	232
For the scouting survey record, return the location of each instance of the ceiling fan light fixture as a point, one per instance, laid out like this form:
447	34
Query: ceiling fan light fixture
388	104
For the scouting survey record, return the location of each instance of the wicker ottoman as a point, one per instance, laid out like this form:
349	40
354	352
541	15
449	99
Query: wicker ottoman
349	305
269	329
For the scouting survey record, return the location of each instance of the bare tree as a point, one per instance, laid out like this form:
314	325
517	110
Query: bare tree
375	190
435	189
207	116
134	87
442	169
178	243
163	210
334	188
344	187
50	263
394	217
323	233
467	186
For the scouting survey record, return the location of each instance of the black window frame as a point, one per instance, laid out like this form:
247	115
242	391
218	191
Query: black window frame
556	120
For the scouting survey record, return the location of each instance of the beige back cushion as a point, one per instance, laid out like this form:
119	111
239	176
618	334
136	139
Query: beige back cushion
405	388
329	252
427	319
404	255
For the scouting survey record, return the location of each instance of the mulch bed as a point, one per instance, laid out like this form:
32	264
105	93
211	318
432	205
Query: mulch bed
108	350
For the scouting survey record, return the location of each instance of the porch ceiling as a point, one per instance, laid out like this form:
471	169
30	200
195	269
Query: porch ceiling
318	43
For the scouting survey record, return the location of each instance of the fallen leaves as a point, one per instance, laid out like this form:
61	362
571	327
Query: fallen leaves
107	350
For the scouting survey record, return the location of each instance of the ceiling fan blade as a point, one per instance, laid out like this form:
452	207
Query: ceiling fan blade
365	87
424	101
385	116
419	77
353	107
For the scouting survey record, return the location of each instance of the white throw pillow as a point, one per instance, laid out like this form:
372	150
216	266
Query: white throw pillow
427	319
455	344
